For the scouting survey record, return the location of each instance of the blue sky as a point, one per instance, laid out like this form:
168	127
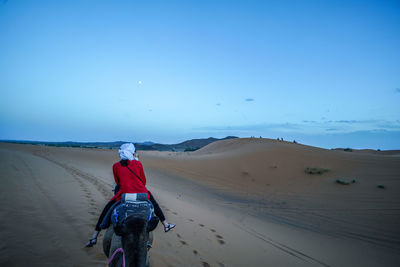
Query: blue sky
326	73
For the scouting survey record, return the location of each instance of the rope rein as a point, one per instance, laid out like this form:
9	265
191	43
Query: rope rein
113	255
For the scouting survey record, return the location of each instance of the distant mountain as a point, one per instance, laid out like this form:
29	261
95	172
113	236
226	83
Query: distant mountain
147	143
190	145
103	145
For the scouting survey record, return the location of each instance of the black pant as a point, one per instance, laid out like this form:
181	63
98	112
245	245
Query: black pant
157	211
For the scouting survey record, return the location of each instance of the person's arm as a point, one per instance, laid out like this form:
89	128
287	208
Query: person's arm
142	175
115	174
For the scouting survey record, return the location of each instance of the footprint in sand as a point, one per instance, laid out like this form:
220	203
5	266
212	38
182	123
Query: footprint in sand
212	230
221	264
174	213
183	242
220	239
190	220
178	235
205	264
195	252
202	225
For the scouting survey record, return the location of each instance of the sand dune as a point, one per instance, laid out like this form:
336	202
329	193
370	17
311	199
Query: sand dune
239	202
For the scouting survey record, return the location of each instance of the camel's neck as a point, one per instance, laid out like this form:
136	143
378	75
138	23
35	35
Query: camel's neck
135	249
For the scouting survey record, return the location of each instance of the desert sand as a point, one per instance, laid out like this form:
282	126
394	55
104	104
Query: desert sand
239	202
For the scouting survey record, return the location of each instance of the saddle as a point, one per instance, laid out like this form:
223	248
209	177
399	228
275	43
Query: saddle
133	206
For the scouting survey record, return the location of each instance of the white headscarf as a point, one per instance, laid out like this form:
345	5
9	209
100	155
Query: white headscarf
126	151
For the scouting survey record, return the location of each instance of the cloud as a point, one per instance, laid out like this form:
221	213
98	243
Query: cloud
351	125
249	99
305	127
354	121
389	125
253	127
347	121
339	121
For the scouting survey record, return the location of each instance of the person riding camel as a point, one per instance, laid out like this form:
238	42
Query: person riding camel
130	178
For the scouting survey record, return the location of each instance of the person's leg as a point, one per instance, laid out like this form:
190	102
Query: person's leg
93	239
103	214
157	209
160	214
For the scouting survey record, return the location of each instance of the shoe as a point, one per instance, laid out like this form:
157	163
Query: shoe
169	227
91	242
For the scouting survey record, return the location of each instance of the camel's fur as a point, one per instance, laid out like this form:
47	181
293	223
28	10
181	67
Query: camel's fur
133	242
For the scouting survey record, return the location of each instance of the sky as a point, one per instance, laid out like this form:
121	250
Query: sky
323	73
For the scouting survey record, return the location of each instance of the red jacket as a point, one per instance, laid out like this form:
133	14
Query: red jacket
129	182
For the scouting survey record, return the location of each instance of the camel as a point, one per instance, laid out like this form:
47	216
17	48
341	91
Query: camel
135	245
132	234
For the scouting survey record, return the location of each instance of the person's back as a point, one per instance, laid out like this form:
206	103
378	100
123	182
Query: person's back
129	175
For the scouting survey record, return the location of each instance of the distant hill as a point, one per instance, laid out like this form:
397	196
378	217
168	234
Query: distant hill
190	145
103	145
147	143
